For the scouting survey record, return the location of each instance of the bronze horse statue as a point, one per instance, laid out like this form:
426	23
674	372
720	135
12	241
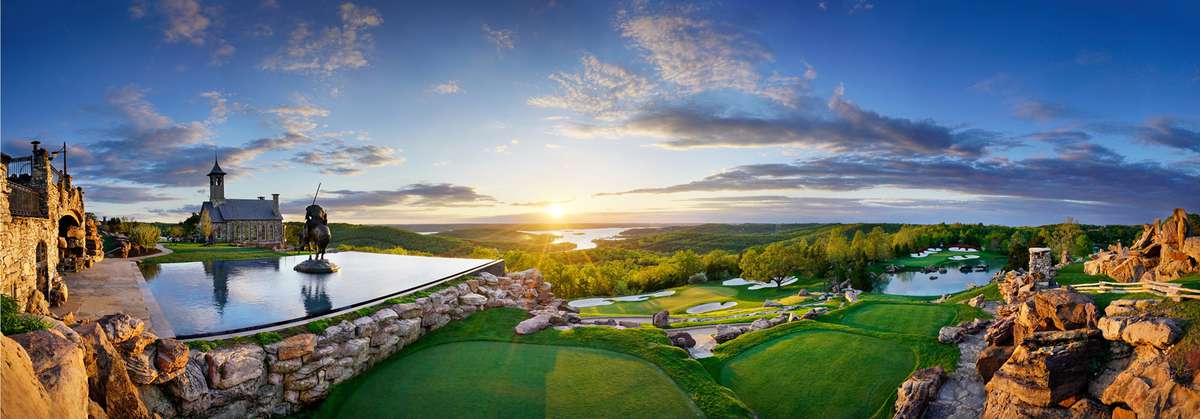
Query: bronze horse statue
316	231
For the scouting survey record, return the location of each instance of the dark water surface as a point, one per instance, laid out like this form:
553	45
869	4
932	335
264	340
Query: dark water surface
201	298
917	283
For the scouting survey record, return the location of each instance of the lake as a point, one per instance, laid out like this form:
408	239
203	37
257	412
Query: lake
584	238
917	283
206	298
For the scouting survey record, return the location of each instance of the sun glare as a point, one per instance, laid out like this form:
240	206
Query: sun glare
555	211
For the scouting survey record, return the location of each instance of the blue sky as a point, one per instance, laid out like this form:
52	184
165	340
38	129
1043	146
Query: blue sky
1012	113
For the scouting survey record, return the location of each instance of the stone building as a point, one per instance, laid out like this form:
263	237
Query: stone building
43	229
248	221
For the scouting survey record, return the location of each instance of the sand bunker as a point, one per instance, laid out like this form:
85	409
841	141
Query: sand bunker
590	302
760	285
593	302
707	307
964	257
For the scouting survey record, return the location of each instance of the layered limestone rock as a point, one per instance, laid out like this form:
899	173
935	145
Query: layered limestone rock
1164	251
916	392
58	364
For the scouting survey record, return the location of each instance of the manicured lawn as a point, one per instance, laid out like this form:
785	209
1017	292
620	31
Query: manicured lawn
514	380
194	252
992	258
818	372
692	295
477	367
915	319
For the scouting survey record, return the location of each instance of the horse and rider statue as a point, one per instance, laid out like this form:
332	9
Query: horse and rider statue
315	236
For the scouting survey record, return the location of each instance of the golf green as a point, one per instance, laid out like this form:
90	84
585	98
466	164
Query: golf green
693	295
818	374
915	319
512	380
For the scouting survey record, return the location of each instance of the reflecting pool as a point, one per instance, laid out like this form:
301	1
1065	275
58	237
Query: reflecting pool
208	298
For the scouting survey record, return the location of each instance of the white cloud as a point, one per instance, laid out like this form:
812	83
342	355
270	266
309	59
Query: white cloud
337	157
604	91
333	49
185	21
448	88
553	146
503	38
298	118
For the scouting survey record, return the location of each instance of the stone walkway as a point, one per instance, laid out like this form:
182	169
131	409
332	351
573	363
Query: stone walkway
113	286
963	394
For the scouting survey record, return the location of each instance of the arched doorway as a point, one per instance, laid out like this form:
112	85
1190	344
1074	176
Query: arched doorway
71	244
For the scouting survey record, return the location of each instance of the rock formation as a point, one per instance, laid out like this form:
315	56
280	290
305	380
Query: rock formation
1164	251
916	391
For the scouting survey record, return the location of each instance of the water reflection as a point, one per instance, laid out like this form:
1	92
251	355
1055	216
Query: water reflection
919	283
214	296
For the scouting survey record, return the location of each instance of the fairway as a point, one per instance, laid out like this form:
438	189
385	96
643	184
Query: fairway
943	257
818	374
916	319
693	295
512	380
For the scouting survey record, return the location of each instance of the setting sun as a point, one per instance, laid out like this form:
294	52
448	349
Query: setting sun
555	211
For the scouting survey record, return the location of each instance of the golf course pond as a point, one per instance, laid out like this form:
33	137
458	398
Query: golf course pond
918	283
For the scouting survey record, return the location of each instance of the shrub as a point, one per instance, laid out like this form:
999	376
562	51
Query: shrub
267	338
202	345
144	235
698	278
14	322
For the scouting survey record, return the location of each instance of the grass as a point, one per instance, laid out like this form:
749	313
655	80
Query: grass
14	322
692	295
196	252
914	319
511	380
1184	356
991	292
943	258
1073	275
820	369
385	237
496	325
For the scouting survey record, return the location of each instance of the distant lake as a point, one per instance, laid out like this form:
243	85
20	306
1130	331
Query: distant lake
583	238
917	283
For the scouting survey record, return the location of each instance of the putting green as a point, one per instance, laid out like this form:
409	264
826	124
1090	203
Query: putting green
818	374
512	380
694	295
915	319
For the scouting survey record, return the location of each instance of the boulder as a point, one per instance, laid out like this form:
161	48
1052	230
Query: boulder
977	301
1159	332
683	340
533	324
761	324
1055	309
1000	332
950	334
661	320
109	384
57	362
973	326
771	303
171	356
233	365
1128	306
121	327
916	392
727	333
991	359
472	299
24	396
1143	384
301	345
852	295
1046	368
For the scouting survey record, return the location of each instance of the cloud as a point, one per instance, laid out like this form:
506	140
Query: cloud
1081	173
697	55
847	128
1036	110
185	21
419	195
338	158
118	194
604	91
298	118
262	30
333	49
137	9
861	6
502	38
448	88
1170	132
221	108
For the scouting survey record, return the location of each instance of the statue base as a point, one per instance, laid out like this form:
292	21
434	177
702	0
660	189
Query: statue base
317	266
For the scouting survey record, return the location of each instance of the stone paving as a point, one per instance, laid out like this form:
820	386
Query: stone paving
113	286
963	394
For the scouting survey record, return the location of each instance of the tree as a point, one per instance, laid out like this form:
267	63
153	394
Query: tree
775	263
175	231
144	235
206	228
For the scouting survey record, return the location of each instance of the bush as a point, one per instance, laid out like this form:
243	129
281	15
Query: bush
698	278
144	235
14	322
267	338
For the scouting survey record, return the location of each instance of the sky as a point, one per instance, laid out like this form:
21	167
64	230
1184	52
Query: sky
1017	113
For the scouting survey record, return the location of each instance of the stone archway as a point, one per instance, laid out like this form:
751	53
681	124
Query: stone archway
72	244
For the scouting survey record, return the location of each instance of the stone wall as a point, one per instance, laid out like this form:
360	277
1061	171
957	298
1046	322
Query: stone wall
251	380
21	236
251	231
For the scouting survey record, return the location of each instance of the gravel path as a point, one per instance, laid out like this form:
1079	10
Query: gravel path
963	394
